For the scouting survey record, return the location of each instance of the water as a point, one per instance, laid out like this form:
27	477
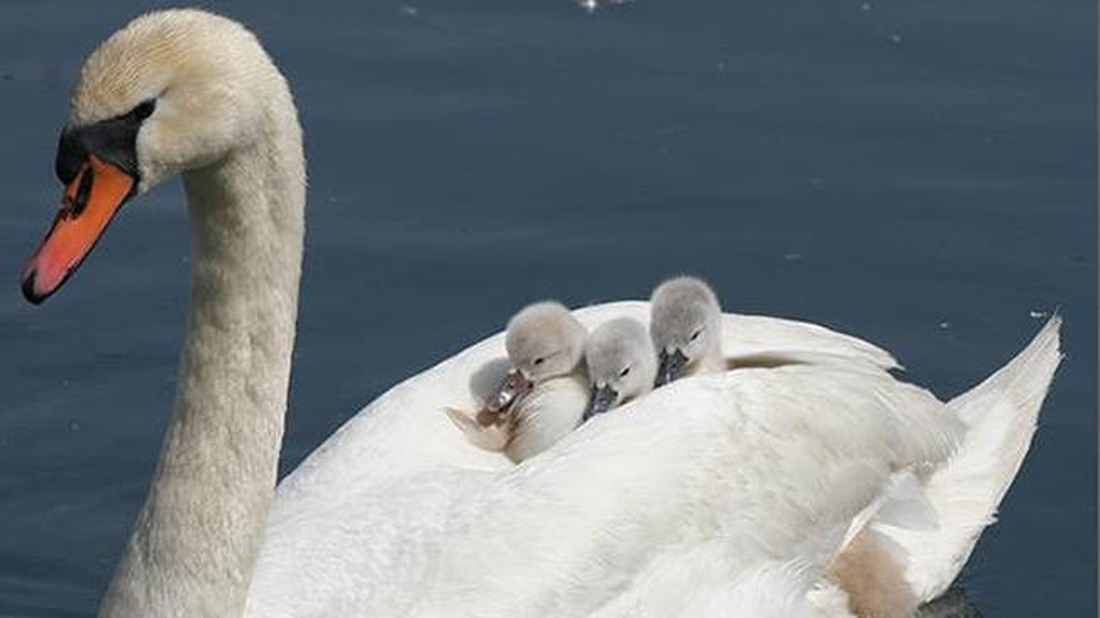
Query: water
919	174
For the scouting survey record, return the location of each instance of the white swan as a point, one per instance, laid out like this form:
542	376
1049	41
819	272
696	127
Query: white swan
622	364
684	324
187	92
543	395
397	513
872	569
685	315
1000	415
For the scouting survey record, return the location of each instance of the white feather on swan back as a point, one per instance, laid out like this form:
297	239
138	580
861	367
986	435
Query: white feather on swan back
413	435
777	461
706	581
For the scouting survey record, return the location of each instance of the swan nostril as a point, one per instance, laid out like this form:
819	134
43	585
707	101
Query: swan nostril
77	204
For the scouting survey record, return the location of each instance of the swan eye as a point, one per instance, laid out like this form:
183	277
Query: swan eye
696	334
145	109
624	372
540	360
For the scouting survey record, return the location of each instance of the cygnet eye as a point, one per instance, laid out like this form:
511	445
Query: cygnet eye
696	334
624	372
540	360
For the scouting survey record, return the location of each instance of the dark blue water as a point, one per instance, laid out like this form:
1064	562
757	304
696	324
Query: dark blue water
921	174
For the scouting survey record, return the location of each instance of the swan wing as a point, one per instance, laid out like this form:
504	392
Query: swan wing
705	581
1000	416
773	463
776	462
406	430
754	339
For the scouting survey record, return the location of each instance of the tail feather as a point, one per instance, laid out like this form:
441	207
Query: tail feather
1000	414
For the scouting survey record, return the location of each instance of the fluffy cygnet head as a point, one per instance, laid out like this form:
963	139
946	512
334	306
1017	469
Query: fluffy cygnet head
544	341
173	91
622	364
685	325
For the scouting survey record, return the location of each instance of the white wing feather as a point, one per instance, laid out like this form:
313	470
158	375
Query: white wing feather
398	514
777	461
1000	414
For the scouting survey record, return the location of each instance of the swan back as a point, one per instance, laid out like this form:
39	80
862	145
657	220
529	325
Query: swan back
377	471
706	580
774	461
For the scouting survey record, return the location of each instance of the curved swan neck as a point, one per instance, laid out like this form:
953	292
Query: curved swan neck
192	549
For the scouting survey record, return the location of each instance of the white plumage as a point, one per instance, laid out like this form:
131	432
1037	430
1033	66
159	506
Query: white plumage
1000	415
848	421
723	492
543	395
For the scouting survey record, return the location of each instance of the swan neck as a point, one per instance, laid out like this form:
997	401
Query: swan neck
192	549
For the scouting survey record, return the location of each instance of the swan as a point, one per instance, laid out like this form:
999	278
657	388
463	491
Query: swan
870	569
622	364
397	513
684	326
685	314
999	416
544	393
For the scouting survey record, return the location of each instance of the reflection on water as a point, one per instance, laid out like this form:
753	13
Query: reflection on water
953	604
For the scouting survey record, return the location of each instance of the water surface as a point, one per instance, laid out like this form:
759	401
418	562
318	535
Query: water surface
919	174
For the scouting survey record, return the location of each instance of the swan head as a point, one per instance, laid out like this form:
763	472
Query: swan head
543	341
171	92
622	364
685	326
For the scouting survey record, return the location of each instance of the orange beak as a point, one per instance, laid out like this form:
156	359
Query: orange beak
90	202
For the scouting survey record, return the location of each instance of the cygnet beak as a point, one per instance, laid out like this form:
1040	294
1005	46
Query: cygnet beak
514	386
671	367
600	401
